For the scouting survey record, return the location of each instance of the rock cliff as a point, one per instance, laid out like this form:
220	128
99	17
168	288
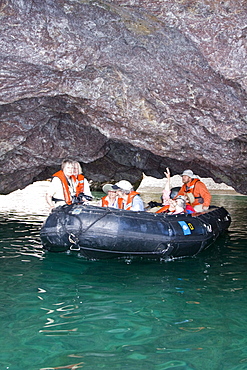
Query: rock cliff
124	87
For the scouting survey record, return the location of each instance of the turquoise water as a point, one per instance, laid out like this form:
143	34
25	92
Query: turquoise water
59	311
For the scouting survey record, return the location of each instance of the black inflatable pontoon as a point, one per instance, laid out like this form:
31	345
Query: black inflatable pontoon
98	232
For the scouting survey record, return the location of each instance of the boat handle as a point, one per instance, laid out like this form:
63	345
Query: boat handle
73	241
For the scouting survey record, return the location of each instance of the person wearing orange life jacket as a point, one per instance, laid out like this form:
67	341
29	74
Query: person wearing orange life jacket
111	199
80	182
174	206
196	191
166	195
131	199
61	188
177	206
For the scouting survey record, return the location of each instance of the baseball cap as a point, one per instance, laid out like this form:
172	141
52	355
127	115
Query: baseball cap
123	184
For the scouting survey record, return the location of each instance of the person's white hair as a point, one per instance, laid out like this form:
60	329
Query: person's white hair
181	201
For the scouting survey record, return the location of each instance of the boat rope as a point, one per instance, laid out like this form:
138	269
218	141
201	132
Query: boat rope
108	210
74	238
127	253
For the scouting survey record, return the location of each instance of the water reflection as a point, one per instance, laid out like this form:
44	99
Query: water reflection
18	236
62	311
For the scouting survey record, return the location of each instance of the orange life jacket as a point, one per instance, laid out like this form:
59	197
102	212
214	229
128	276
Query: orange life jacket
191	188
163	209
105	202
129	201
79	180
199	191
67	196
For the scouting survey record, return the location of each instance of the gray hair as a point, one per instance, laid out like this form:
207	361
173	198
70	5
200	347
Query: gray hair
66	161
181	202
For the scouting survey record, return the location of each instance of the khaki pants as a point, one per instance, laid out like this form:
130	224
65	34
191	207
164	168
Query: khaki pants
198	208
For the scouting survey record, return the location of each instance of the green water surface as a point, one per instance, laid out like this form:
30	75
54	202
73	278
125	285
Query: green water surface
60	311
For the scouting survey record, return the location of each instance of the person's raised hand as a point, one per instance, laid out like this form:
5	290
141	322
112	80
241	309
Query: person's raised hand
167	173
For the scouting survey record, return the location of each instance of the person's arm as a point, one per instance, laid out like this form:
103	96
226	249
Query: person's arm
49	201
87	190
52	191
167	190
137	204
204	193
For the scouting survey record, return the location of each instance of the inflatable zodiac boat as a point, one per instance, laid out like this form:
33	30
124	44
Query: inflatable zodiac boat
97	232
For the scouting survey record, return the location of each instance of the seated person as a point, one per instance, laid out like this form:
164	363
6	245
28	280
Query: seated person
195	190
167	190
61	189
177	205
131	200
81	184
111	199
167	195
188	208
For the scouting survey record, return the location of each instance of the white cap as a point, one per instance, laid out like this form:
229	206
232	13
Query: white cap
123	184
189	173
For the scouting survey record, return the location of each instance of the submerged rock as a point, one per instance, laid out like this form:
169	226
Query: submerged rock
124	87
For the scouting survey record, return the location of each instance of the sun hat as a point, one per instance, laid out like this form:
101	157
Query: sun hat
123	184
189	173
108	187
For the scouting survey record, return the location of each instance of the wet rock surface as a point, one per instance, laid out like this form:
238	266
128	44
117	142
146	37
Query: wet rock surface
124	87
